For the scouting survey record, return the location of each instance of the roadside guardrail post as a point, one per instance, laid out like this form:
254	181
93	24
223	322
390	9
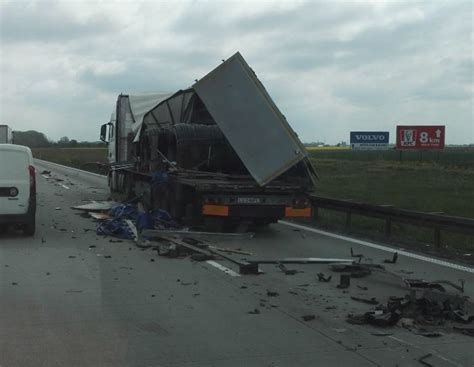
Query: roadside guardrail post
315	213
435	220
437	236
388	227
348	221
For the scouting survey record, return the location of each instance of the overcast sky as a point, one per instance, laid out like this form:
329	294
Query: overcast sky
331	67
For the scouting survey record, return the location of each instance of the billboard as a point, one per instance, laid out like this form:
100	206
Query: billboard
420	137
369	140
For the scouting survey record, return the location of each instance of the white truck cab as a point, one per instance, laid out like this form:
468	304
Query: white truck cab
17	187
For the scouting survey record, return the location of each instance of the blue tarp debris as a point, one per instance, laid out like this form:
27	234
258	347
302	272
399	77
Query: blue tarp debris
117	226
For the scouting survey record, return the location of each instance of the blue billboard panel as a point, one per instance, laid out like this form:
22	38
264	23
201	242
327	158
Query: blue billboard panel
369	139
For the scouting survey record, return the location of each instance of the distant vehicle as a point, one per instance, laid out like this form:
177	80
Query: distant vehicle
6	136
17	187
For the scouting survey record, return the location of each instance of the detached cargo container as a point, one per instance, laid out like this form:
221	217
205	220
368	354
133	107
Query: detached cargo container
6	136
219	151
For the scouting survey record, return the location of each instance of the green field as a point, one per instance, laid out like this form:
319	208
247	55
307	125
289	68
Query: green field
83	158
426	186
451	156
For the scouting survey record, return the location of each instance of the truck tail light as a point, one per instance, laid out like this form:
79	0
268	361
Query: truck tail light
31	169
298	213
215	210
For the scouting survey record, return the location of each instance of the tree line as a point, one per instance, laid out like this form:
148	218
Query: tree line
36	139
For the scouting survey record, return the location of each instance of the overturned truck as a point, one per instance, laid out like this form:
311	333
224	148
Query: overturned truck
217	153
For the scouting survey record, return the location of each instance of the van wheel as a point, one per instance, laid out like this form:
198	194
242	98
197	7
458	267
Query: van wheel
30	226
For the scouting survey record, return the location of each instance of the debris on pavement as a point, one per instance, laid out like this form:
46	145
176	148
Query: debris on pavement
356	255
256	311
96	206
370	301
302	260
435	284
323	278
344	281
355	270
308	317
393	260
431	309
287	271
423	359
201	257
232	251
99	216
271	293
195	235
381	334
469	331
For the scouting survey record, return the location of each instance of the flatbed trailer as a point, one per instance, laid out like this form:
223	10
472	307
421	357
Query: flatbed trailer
218	151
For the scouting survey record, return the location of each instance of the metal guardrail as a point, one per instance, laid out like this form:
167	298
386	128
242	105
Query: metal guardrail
437	221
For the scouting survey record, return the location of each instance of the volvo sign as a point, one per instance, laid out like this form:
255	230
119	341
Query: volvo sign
369	139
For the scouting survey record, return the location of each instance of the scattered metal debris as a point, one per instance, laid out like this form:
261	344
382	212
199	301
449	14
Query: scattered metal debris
432	309
423	359
429	334
232	251
271	293
201	257
370	301
256	311
287	271
323	278
99	216
464	330
393	260
356	255
96	206
355	270
435	284
381	334
344	281
308	317
302	260
192	234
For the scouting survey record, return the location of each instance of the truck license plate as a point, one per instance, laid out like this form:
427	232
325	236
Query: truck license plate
248	200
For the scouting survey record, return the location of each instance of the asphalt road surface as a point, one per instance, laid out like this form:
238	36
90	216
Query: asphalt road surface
72	298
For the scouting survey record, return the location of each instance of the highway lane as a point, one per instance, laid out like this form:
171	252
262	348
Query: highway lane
72	298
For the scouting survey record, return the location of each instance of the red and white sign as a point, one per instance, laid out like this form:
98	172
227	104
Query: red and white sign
420	137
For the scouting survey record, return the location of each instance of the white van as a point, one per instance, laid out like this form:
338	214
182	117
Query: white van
17	187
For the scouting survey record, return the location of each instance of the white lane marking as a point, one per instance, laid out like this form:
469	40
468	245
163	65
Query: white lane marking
223	268
67	188
383	248
69	168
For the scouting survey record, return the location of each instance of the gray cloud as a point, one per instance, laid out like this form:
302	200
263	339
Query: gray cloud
331	66
48	21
